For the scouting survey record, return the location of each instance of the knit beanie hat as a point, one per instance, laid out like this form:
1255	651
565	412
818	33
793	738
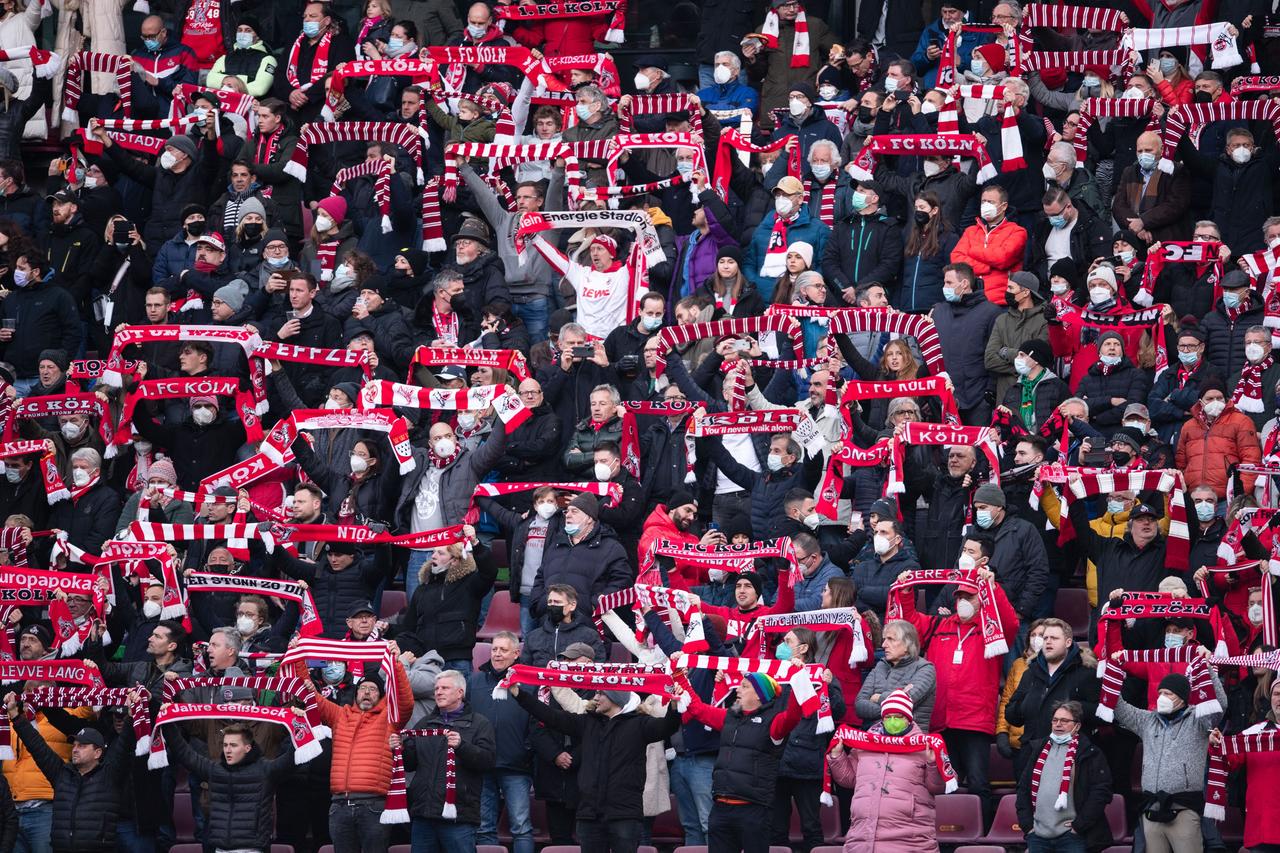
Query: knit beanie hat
990	494
250	205
764	685
335	207
1178	684
230	294
898	702
587	502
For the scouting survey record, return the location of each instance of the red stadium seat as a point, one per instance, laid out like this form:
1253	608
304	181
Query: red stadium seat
498	549
393	601
831	822
666	826
1072	606
958	817
281	848
694	848
1005	829
503	615
1000	770
1118	820
1119	848
979	848
490	848
327	848
480	655
184	824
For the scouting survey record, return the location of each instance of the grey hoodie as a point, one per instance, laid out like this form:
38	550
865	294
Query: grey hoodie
1174	750
528	274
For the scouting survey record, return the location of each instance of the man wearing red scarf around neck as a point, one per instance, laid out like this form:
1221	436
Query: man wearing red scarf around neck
318	49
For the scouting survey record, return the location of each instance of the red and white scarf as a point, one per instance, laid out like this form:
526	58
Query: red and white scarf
319	63
288	534
332	358
396	809
287	687
1203	698
744	422
827	203
719	556
887	389
841	619
984	439
599	677
355	652
1151	605
277	446
185	388
1165	481
677	102
682	335
1091	108
1203	255
1247	396
510	360
993	641
1233	746
1019	47
247	339
309	622
731	141
956	144
105	63
305	744
799	46
505	402
317	133
38	408
81	697
65	671
1180	118
416	70
1129	324
807	687
895	323
1068	767
852	738
381	170
530	12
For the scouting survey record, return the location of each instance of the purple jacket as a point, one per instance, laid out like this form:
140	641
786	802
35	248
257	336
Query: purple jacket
695	265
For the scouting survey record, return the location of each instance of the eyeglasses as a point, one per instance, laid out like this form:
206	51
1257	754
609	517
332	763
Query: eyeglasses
533	392
1064	721
1188	347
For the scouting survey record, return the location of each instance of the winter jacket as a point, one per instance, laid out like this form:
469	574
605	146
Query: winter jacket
176	254
772	66
863	249
1011	330
1020	563
886	676
694	270
457	481
254	65
1206	451
751	746
545	642
1090	238
1032	704
286	190
390	329
579	456
663	455
1241	193
533	451
892	809
955	190
804	229
86	806
935	35
71	249
965	693
361	756
1163	206
659	528
806	749
197	451
1224	344
734	95
473	757
593	566
1090	792
874	576
527	273
44	314
1174	746
808	590
993	253
171	192
809	128
444	613
510	721
1099	385
1047	395
939	538
89	521
23	774
920	287
171	63
612	754
963	329
335	592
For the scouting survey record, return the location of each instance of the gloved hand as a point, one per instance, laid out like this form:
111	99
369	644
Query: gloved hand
1003	746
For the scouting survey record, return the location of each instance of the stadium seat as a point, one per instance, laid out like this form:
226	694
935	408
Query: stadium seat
1117	819
1005	829
829	848
504	615
693	848
327	848
831	822
490	848
979	848
1000	771
393	601
400	848
1232	829
480	655
1119	848
184	823
498	550
666	826
1072	606
281	848
562	848
958	817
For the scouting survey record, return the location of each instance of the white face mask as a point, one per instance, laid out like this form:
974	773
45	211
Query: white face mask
1215	408
151	608
797	107
928	108
1255	614
1059	287
202	415
978	67
881	544
774	462
80	477
715	575
438	570
476	31
1021	366
142	448
359	464
1049	172
964	609
1242	155
602	471
1164	705
1060	738
782	206
1133	94
245	625
167	160
812	520
1099	295
1254	352
90	182
466	421
641	81
332	404
1037	644
11	474
828	93
546	510
989	211
965	563
930	168
821	171
444	447
71	430
722	74
1138	425
891	84
323	223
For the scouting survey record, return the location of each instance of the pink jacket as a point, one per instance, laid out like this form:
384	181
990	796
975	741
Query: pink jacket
892	809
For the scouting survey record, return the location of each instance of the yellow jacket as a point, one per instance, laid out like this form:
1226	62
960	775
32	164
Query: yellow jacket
1011	684
22	774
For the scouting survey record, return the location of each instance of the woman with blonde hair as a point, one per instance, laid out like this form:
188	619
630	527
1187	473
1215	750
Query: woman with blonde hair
374	29
444	612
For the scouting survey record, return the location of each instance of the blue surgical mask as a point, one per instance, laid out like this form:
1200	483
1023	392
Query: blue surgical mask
891	84
1174	641
774	462
151	44
394	43
571	528
277	263
334	671
649	323
984	519
1109	360
21	278
1059	739
1230	299
1058	221
859	200
949	294
1126	257
311	29
684	167
1167	65
1205	511
583	111
244	40
1146	160
1116	507
1189	358
783	652
821	171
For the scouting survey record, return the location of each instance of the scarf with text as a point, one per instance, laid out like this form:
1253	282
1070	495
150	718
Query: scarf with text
416	70
851	738
1255	83
957	144
38	408
715	556
983	439
185	388
289	534
688	333
598	677
247	339
309	622
83	697
637	221
731	141
323	356
1179	119
842	454
1011	157
396	809
104	63
1091	108
1068	768
505	402
947	76
799	677
1203	255
316	648
601	64
769	31
744	422
295	689
510	360
1233	746
305	744
1165	481
65	671
278	444
319	62
316	133
887	389
1150	605
1202	699
630	143
843	619
989	623
531	12
1076	320
531	63
91	369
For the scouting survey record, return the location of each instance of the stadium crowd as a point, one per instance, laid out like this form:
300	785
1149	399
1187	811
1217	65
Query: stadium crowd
739	425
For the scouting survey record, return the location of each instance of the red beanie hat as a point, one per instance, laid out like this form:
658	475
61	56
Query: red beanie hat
993	54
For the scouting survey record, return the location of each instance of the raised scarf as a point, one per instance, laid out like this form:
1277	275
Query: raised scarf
597	677
510	360
1180	118
801	678
333	358
744	422
672	337
506	403
1011	158
956	144
842	619
1150	605
315	648
315	133
65	671
81	697
1076	320
731	141
887	389
1112	673
309	623
1166	481
1091	108
852	738
717	556
306	745
525	13
38	408
105	63
769	30
898	323
1233	746
989	623
677	102
381	171
396	809
278	444
185	388
247	339
1068	767
984	439
947	61
1203	255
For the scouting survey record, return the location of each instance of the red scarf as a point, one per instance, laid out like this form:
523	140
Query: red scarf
993	631
77	492
319	64
799	45
509	360
827	206
54	489
1248	394
446	324
615	9
396	809
306	745
775	254
1068	767
852	738
1215	807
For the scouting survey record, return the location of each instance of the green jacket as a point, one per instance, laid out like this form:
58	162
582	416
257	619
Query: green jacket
1012	329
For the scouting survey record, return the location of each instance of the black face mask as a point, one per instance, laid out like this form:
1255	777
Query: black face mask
922	218
195	228
1121	457
556	612
864	113
1202	98
254	230
1010	300
457	303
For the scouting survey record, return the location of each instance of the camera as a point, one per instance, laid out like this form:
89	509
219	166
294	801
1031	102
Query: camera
1095	459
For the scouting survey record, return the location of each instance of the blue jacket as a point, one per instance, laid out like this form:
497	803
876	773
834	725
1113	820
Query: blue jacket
153	101
809	590
806	229
810	129
733	95
921	285
510	721
936	34
175	255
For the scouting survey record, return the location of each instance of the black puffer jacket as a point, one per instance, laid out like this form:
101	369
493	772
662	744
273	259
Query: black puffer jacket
336	592
1124	381
197	451
806	748
1031	705
533	451
938	540
594	566
444	613
546	642
1090	792
476	754
85	806
241	796
612	759
484	281
170	192
91	520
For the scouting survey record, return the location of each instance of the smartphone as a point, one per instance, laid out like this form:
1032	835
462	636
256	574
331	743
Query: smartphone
291	315
713	526
1095	459
9	323
741	345
360	301
120	231
583	351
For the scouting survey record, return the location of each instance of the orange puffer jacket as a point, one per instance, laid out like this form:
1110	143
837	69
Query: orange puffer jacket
993	253
22	774
361	757
1205	450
